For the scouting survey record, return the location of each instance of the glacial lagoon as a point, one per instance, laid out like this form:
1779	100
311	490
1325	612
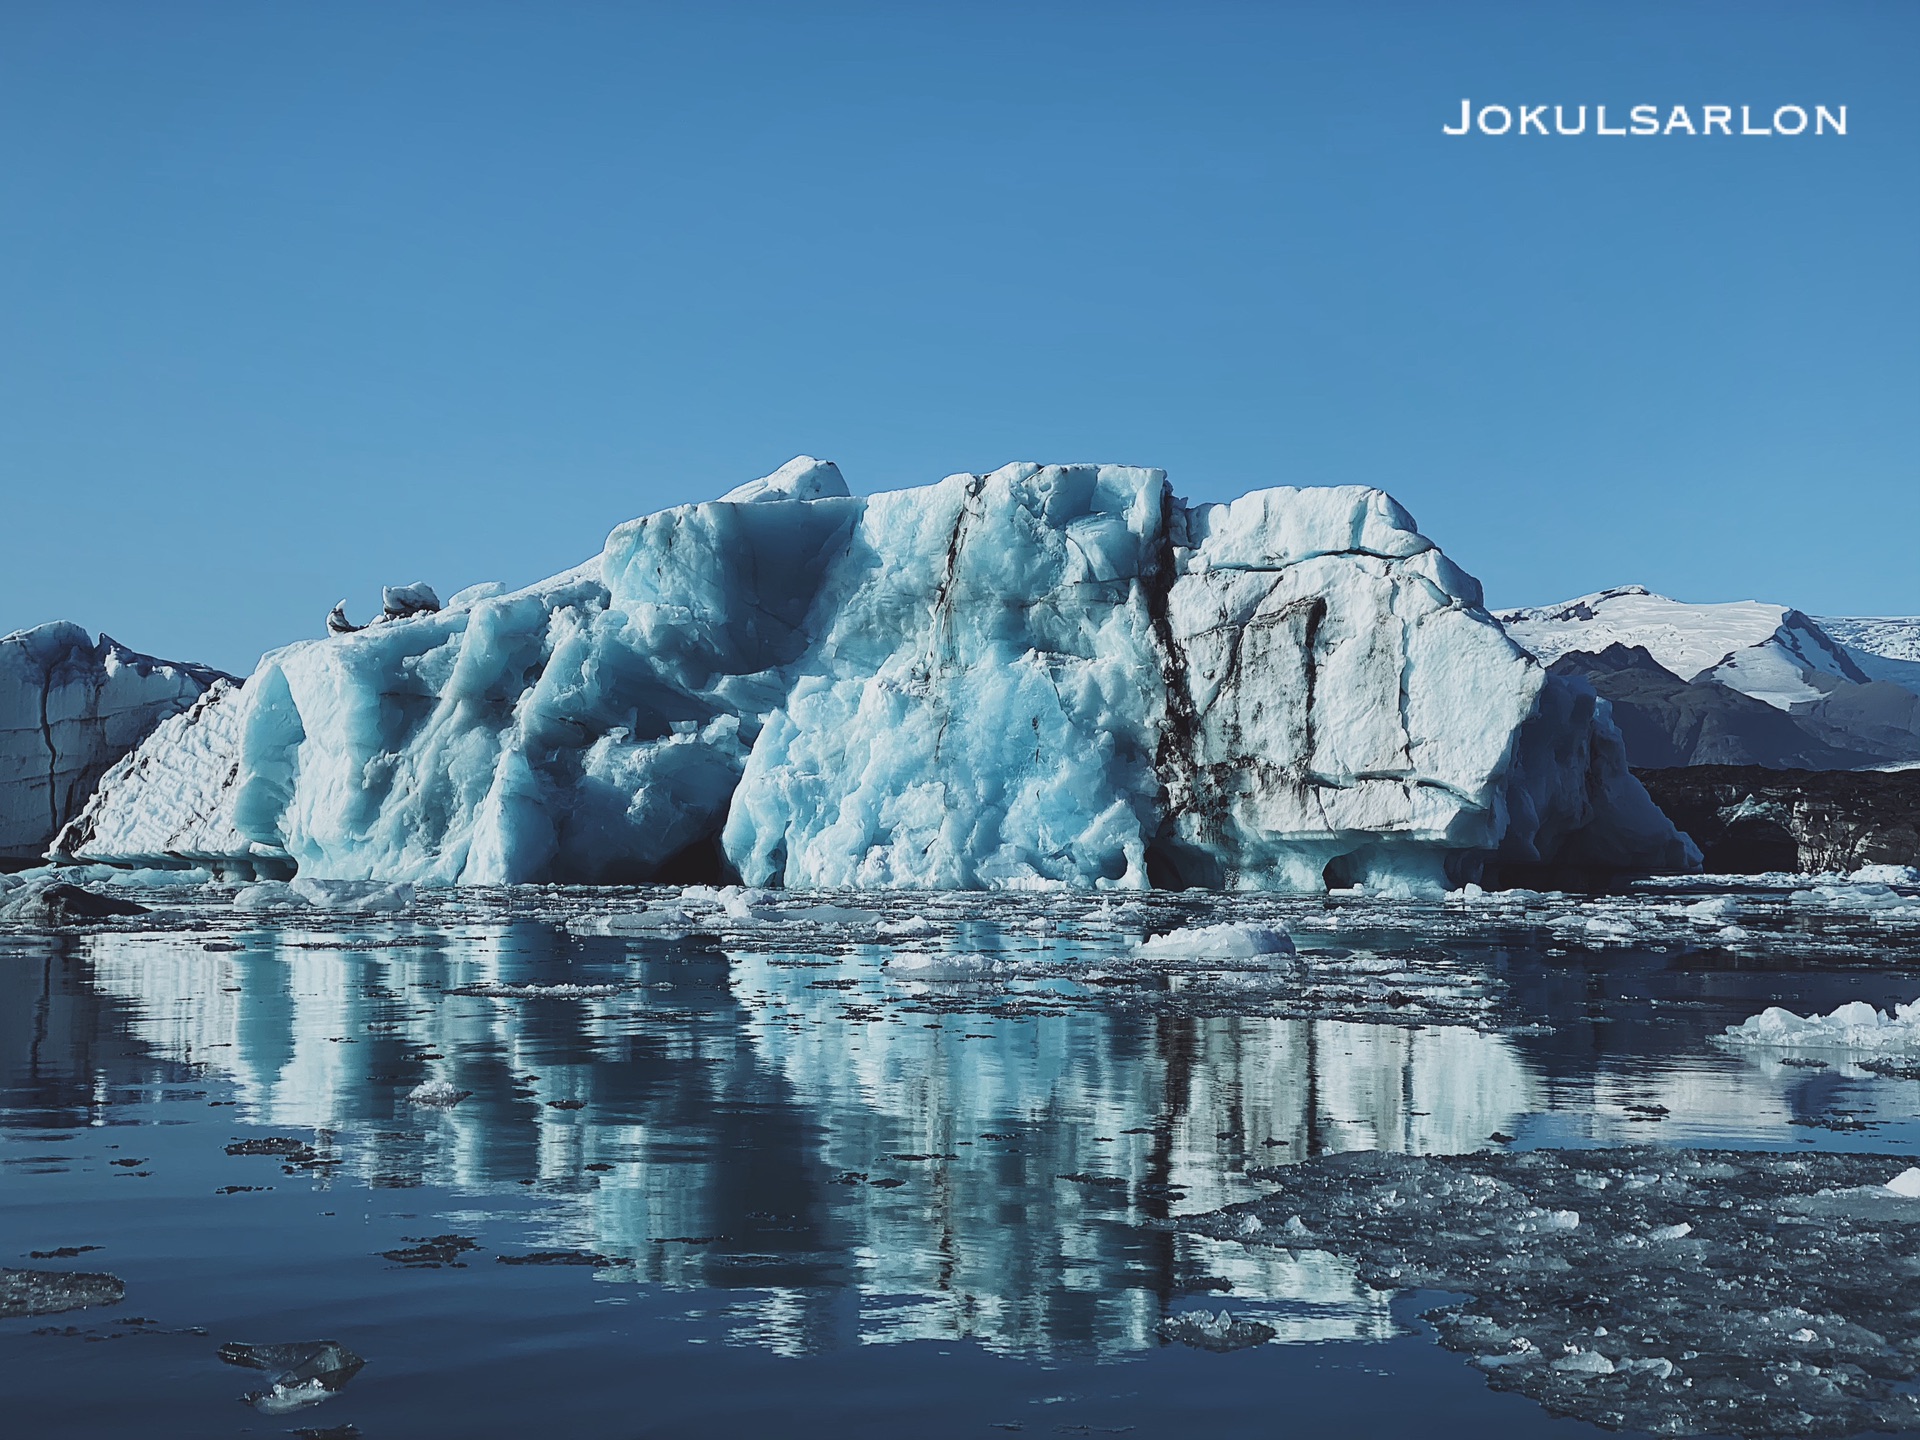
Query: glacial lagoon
663	1163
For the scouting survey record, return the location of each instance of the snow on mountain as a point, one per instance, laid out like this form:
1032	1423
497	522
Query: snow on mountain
1885	647
1049	675
70	706
1770	652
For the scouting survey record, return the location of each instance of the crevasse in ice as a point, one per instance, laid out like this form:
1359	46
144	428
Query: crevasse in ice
1049	675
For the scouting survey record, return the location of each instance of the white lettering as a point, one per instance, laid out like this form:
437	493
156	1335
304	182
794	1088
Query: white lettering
1643	120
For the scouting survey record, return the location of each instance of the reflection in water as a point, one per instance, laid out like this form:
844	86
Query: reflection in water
858	1159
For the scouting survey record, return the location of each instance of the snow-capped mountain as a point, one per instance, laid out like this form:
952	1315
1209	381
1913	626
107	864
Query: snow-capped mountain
1885	647
1771	652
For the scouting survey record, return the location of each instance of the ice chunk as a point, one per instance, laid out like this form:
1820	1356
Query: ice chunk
1220	1333
437	1094
348	896
400	602
912	927
1885	875
1584	1362
356	896
307	1372
911	965
650	921
50	1292
49	901
1907	1182
1218	942
1855	1026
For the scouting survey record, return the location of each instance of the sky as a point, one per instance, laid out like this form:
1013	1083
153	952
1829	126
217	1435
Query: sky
300	300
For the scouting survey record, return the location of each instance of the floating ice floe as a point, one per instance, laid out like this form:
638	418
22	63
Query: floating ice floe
502	990
1855	1026
651	921
1859	897
1745	1293
1906	1183
1885	875
437	1094
911	965
1218	942
1220	1333
351	896
304	1373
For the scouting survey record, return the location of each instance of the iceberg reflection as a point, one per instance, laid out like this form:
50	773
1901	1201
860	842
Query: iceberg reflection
855	1158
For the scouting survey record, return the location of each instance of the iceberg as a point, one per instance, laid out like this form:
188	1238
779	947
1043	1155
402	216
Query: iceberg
1043	677
70	707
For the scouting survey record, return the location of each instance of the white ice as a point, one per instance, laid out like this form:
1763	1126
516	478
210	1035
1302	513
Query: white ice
1855	1026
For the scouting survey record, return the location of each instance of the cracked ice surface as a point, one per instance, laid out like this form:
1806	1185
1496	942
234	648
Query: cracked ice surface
1685	1292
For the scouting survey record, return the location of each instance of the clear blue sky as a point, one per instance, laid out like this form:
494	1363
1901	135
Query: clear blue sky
298	299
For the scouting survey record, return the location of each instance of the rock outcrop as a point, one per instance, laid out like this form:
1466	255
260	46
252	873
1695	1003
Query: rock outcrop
70	706
1050	675
1668	721
1748	820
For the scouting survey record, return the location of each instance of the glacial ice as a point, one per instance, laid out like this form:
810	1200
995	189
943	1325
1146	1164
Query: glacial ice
70	706
1218	942
1044	677
1855	1026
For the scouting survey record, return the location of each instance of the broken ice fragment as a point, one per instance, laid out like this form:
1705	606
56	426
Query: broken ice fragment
1907	1182
1218	942
49	1292
1584	1362
1218	1333
437	1094
306	1372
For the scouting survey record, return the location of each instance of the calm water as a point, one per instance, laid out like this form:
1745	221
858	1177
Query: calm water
798	1192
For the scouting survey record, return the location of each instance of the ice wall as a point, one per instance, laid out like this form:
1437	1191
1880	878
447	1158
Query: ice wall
70	706
1049	675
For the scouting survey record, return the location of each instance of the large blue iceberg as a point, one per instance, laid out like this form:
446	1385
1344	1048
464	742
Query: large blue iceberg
1045	676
